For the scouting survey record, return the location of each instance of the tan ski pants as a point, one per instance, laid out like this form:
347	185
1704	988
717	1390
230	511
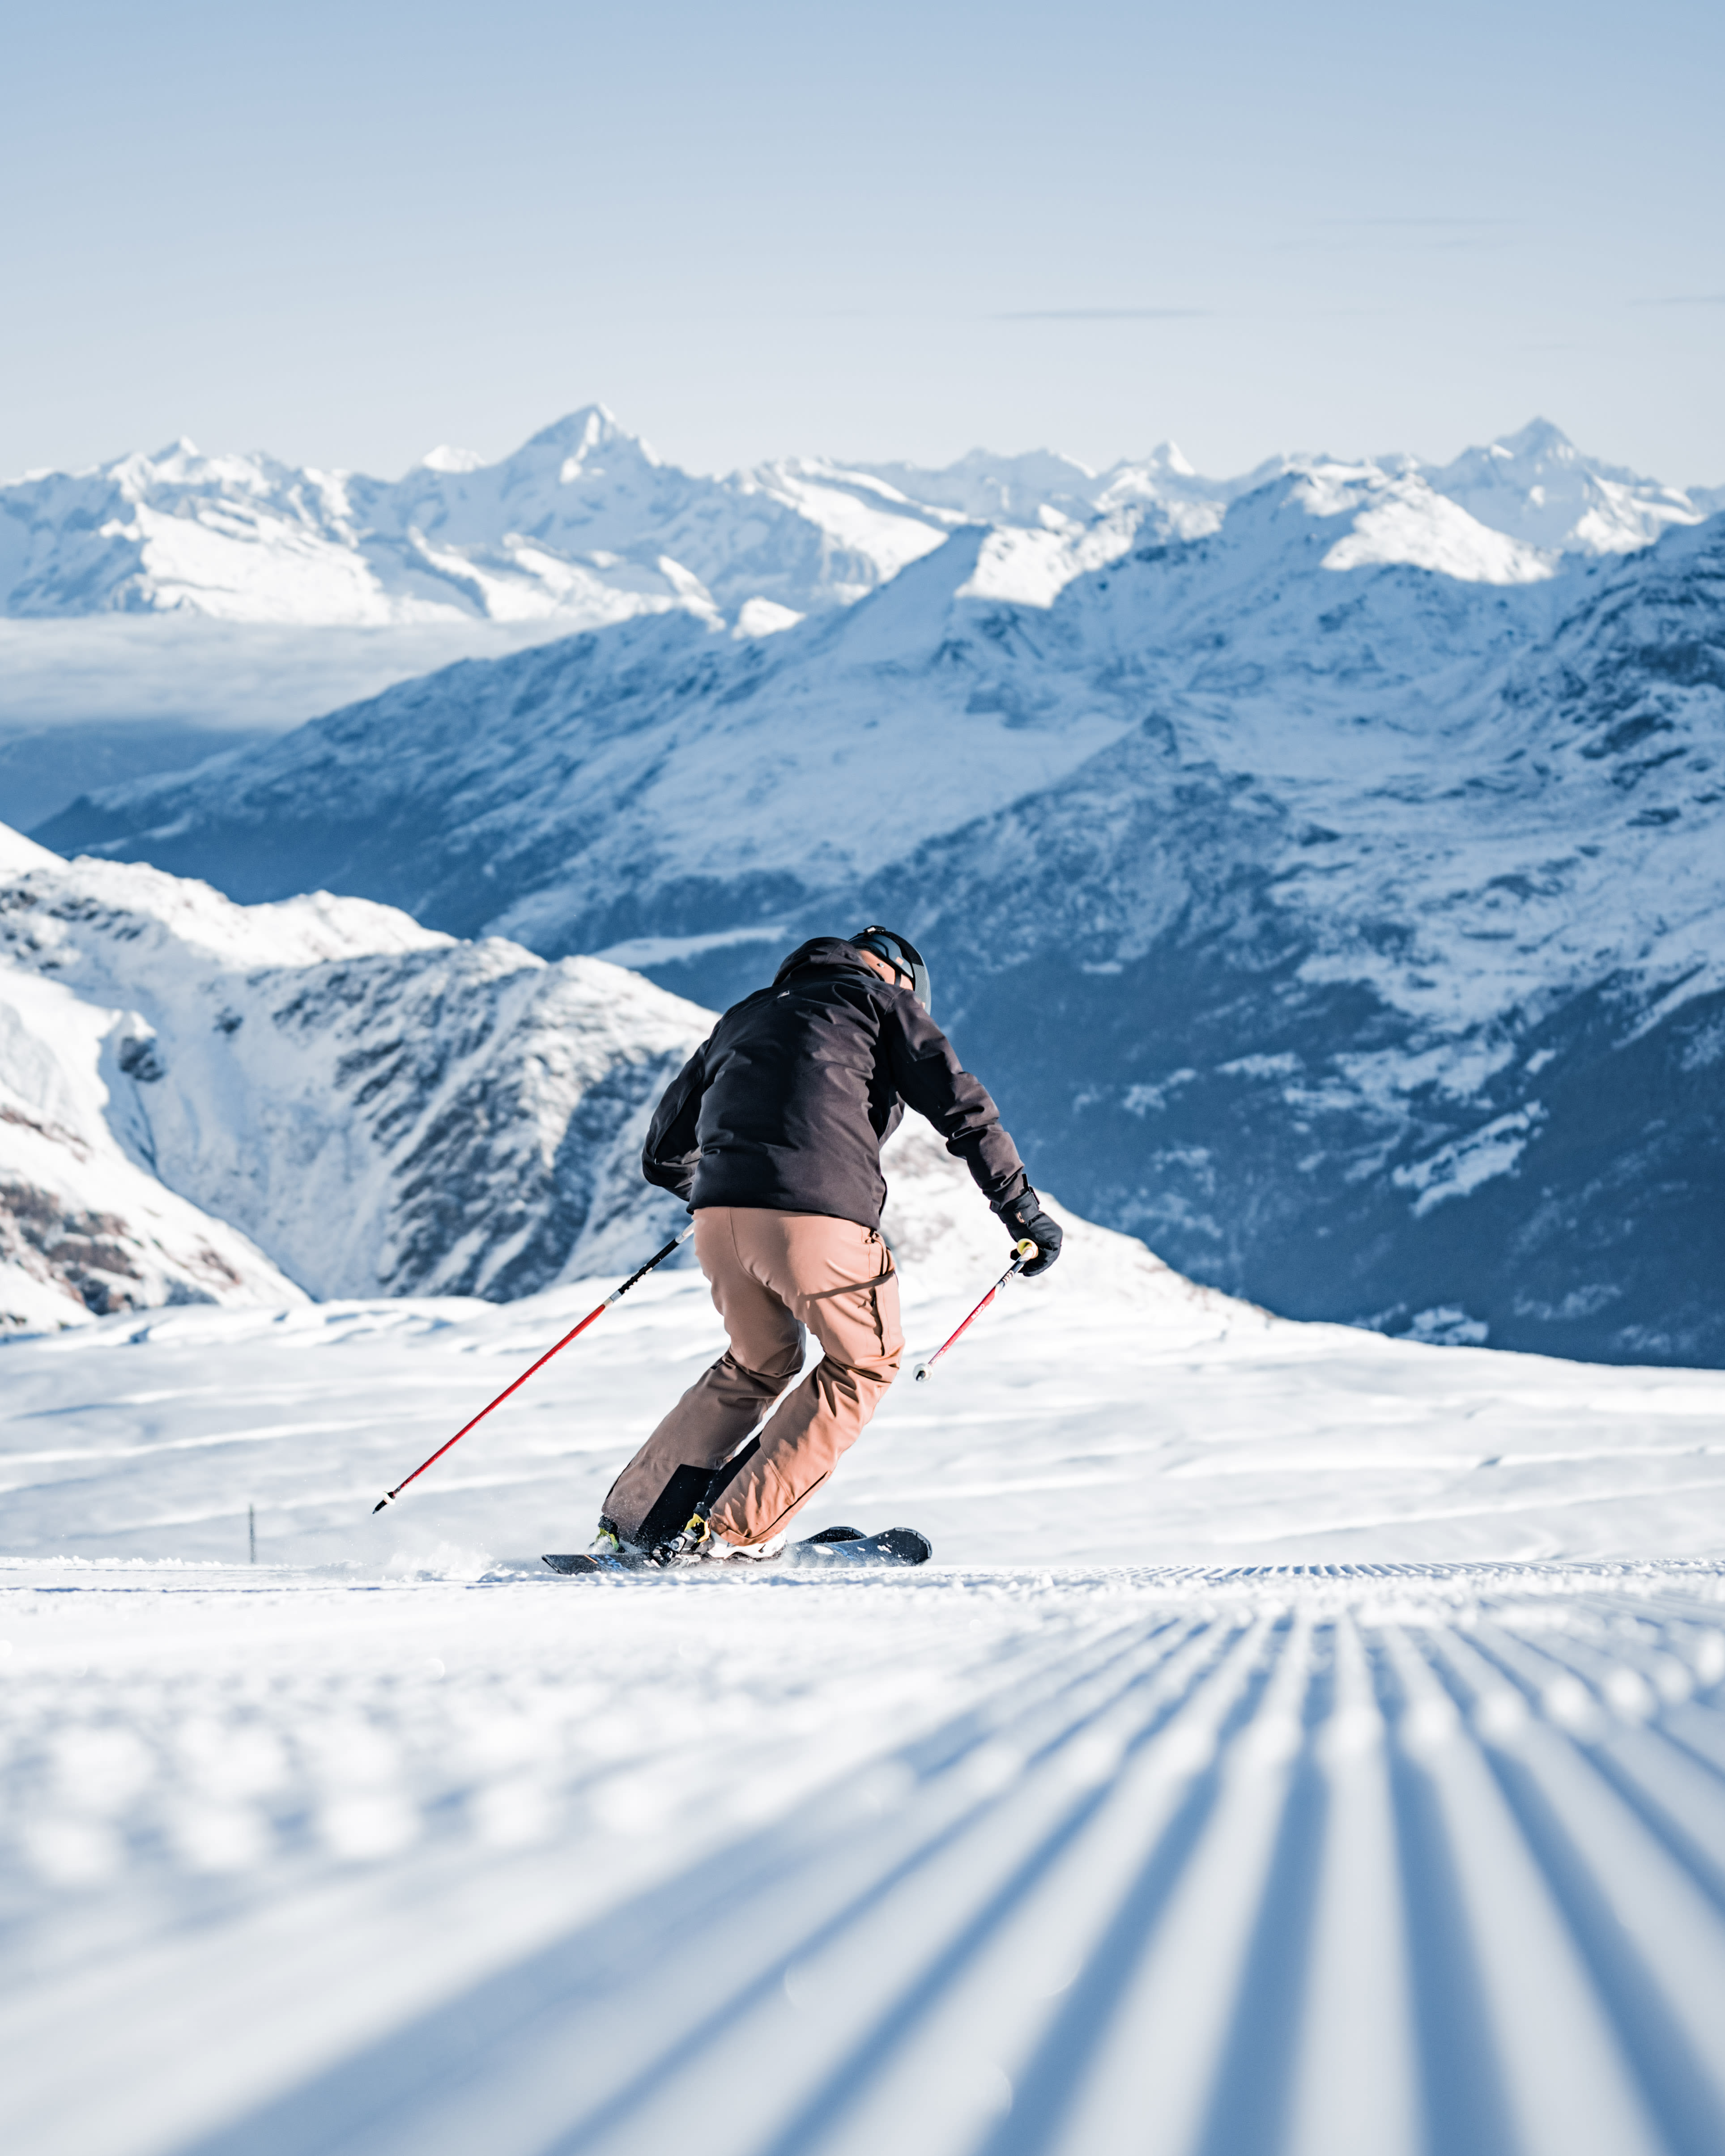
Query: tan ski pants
773	1275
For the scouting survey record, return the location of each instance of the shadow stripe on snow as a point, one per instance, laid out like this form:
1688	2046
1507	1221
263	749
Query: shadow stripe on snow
365	2101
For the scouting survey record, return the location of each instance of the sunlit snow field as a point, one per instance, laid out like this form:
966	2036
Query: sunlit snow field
1302	1741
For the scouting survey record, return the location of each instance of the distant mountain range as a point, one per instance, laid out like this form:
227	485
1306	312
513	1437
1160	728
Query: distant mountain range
583	526
1325	871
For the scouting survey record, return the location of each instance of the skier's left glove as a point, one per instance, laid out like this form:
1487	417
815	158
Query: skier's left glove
1023	1215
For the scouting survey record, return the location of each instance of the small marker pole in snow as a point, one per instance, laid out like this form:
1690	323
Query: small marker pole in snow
1023	1252
641	1272
251	1530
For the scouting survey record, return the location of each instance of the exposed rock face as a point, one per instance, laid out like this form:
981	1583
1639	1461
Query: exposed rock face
202	1101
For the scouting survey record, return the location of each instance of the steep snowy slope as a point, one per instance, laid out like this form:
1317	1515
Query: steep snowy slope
84	1228
1334	897
1414	1018
591	789
375	1107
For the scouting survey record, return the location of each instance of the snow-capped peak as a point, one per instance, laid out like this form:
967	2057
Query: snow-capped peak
581	435
1538	439
584	525
18	854
446	459
1536	486
1170	457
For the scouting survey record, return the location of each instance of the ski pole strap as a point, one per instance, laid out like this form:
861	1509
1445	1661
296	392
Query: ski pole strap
598	1310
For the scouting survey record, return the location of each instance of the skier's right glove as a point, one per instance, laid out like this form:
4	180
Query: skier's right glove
1023	1215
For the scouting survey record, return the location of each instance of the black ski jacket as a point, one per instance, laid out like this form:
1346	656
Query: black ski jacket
786	1102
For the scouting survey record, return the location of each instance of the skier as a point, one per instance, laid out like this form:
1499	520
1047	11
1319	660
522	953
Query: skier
771	1134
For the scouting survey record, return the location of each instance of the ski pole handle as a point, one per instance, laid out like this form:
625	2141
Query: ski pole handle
1023	1251
640	1273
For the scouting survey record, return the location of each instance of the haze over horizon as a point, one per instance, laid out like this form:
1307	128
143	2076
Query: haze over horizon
453	455
775	233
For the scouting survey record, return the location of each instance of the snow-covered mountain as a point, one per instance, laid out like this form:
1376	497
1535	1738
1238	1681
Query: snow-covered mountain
585	525
158	609
1536	486
1333	896
85	1226
201	1101
188	1085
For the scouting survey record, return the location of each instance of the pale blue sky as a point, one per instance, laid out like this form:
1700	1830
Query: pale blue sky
347	232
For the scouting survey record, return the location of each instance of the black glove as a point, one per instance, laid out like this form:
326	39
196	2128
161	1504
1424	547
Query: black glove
1023	1216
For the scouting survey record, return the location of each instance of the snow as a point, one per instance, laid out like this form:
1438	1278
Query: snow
1010	1859
585	524
18	852
1115	1413
1028	567
198	1098
1302	1740
1536	485
660	950
1412	524
764	618
1454	1170
239	594
1356	777
1363	705
83	1225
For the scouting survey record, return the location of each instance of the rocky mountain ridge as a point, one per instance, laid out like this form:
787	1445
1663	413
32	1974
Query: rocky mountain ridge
201	1101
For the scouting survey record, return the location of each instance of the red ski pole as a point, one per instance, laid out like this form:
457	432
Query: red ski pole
1022	1253
659	1259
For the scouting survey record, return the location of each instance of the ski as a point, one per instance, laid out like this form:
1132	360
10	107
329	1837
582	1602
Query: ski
834	1548
849	1546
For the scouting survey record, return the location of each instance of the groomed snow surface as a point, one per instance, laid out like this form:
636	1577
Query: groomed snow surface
1302	1741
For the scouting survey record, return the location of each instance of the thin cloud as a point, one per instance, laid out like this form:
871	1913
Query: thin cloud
1448	223
1103	314
1430	234
1684	300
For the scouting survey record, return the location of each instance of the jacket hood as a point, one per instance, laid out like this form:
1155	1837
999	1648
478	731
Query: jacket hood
823	951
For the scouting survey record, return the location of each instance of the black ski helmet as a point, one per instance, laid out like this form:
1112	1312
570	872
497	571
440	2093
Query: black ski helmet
900	953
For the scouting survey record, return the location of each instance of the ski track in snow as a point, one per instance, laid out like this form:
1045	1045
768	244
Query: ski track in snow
1324	1845
1351	1858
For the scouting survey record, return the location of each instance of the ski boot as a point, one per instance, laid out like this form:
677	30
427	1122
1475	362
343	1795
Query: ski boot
693	1545
610	1546
697	1544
